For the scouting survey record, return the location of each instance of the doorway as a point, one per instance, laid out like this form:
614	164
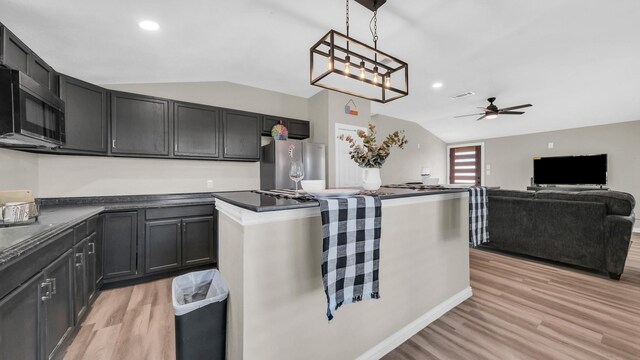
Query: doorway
465	164
348	173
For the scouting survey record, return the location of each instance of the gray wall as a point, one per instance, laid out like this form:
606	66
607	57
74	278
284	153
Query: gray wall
511	158
423	150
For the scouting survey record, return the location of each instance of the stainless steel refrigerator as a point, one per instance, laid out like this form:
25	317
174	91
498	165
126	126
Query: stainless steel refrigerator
276	161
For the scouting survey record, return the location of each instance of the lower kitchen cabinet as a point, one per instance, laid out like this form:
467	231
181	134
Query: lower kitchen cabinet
179	237
20	322
120	244
58	303
162	245
197	241
80	276
38	316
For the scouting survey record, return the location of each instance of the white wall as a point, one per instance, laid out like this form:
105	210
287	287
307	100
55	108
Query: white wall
511	158
18	170
423	150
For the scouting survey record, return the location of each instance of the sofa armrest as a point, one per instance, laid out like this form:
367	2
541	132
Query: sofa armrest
618	230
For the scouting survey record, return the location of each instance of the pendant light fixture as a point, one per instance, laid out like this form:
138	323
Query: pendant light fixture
355	68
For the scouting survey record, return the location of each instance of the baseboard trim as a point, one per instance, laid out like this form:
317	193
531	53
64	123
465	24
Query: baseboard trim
413	328
636	230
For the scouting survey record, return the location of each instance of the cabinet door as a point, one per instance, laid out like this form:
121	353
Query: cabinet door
42	73
20	321
139	125
162	245
13	52
298	129
85	115
120	242
90	264
80	279
58	313
196	130
197	241
241	135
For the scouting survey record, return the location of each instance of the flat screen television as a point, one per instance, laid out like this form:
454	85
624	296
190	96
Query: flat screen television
570	170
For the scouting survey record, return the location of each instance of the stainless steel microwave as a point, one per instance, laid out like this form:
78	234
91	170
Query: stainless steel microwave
30	114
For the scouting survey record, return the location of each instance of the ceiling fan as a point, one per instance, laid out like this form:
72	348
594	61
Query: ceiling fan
492	111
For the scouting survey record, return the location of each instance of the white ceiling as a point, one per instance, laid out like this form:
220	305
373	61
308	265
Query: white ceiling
576	61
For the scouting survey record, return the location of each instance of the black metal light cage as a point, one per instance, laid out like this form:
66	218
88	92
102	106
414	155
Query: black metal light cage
357	61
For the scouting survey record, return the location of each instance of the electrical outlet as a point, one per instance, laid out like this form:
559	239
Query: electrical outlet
418	146
209	184
550	145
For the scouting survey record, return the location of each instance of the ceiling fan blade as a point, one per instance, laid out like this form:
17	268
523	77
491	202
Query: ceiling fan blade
510	112
516	107
459	116
480	118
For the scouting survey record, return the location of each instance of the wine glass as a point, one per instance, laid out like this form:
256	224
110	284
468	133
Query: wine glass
296	173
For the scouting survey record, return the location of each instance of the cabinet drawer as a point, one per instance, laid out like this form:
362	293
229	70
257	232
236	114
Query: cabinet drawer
80	231
92	225
179	212
22	268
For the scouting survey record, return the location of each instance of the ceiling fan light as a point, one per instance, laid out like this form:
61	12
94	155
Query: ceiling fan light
492	116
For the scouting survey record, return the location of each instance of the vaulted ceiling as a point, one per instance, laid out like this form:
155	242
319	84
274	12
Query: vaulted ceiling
576	61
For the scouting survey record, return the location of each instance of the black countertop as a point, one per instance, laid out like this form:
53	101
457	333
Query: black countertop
261	203
59	214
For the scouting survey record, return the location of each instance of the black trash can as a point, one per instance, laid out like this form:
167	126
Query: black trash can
200	305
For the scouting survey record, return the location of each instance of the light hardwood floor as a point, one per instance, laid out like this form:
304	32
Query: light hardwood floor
520	309
523	309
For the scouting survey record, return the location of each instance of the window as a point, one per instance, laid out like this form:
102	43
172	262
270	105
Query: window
465	165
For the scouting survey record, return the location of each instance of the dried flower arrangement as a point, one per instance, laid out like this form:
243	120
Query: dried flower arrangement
369	154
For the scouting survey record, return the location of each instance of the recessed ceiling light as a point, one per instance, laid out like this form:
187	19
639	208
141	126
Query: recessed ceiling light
436	85
149	25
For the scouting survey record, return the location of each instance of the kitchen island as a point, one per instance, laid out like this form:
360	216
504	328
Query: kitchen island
270	256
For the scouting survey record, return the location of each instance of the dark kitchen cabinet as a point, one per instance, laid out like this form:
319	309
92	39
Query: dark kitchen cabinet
85	116
197	241
98	250
139	125
58	303
20	321
196	131
120	244
298	129
179	237
80	280
16	55
162	245
38	316
241	135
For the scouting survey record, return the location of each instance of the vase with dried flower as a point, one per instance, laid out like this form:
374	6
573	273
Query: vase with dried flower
370	156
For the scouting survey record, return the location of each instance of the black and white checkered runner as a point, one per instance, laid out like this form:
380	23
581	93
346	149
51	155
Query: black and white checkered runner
478	216
350	249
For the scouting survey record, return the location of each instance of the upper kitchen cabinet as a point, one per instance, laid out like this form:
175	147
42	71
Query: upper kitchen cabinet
85	116
16	55
298	129
139	125
196	131
241	135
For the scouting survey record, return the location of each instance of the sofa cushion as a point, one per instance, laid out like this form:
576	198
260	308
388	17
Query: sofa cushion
511	193
616	202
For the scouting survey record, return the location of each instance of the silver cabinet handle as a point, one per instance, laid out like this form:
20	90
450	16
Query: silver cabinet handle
92	249
53	284
81	256
47	293
113	143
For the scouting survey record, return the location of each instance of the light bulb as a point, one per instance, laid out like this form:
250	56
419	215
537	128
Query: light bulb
361	70
347	69
387	82
330	64
375	74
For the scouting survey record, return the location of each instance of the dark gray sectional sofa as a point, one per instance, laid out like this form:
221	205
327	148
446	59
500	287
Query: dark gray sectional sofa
591	229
